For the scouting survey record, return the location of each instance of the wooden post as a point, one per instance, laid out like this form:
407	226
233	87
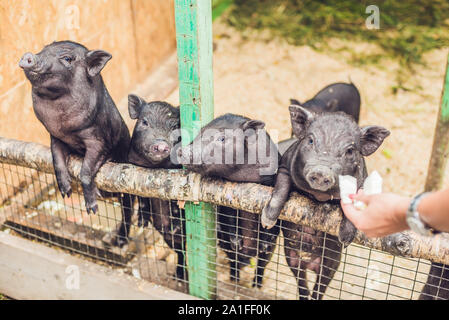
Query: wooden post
194	46
440	149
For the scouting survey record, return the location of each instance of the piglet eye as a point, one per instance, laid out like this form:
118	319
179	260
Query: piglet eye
68	59
310	141
350	152
145	122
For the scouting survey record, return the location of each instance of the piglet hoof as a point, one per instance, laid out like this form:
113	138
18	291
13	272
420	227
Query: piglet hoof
265	248
65	189
112	239
346	239
143	220
347	232
66	193
267	222
119	242
92	208
142	223
236	243
257	282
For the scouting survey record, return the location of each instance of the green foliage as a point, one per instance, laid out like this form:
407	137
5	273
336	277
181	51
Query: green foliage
218	7
408	29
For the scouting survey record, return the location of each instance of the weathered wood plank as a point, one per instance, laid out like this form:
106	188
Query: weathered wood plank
29	270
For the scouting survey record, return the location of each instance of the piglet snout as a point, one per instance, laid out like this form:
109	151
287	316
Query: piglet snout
160	147
28	61
320	178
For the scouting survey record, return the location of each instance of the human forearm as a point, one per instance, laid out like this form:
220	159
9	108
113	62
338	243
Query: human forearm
434	210
386	213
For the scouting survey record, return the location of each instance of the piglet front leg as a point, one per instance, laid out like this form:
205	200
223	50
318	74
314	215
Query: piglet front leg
144	213
60	153
93	160
281	190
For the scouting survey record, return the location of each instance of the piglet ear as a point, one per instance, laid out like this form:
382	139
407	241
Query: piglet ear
177	111
300	118
253	124
135	104
294	101
371	138
96	60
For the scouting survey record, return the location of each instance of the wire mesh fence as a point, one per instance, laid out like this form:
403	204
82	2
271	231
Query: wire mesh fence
292	262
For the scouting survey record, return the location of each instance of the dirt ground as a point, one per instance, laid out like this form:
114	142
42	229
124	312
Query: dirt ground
257	78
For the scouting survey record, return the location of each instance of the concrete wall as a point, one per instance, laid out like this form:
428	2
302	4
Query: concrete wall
138	33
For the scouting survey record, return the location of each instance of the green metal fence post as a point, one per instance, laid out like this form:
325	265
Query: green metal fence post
440	149
194	46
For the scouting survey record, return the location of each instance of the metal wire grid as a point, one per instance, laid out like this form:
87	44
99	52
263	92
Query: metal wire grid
36	210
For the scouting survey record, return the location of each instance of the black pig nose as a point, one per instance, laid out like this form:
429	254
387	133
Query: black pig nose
28	61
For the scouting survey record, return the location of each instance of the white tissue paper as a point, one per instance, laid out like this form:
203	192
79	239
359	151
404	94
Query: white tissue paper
348	185
373	184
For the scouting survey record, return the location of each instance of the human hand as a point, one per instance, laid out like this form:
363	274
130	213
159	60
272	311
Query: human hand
384	213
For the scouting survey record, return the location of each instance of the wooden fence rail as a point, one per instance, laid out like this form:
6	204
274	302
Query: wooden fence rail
189	186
